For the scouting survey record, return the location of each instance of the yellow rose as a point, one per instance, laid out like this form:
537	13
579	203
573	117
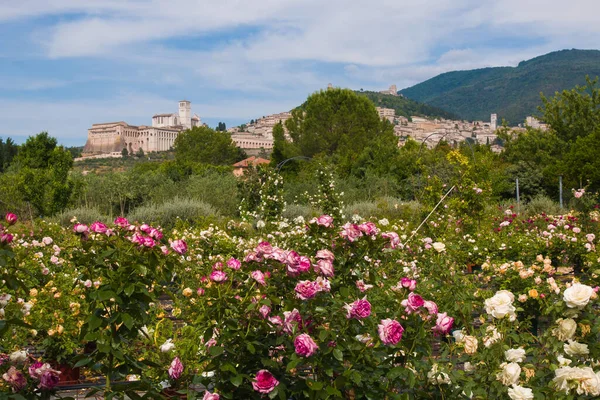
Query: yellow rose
533	294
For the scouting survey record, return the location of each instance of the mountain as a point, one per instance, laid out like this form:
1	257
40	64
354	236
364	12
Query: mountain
406	107
511	92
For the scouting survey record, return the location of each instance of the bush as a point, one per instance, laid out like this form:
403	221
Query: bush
84	215
542	204
167	214
294	210
386	207
217	189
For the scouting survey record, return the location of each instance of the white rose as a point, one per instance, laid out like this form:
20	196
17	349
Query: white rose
509	374
576	349
578	295
583	380
515	355
520	393
492	336
468	367
565	330
470	343
562	361
167	346
500	305
436	377
438	246
459	335
18	356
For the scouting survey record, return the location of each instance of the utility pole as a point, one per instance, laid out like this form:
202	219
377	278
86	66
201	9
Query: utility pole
560	191
518	197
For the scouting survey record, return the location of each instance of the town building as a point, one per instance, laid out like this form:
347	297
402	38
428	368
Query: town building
392	91
110	138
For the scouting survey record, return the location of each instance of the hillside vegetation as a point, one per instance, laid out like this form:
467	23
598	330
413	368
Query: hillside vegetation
511	92
407	107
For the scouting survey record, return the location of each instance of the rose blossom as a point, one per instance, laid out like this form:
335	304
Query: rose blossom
390	331
98	227
305	345
500	305
578	295
413	303
443	324
325	254
264	311
11	218
520	393
582	379
167	346
470	343
408	283
259	277
324	220
15	379
510	374
179	246
576	349
515	355
566	329
431	307
439	247
176	368
306	290
351	232
218	276
362	286
394	239
264	382
49	379
359	309
121	222
234	263
211	396
291	319
325	267
368	228
80	228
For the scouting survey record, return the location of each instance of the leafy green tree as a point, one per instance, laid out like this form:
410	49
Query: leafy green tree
124	152
205	145
140	153
221	127
8	151
43	178
338	124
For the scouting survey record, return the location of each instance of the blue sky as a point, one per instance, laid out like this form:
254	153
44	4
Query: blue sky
66	64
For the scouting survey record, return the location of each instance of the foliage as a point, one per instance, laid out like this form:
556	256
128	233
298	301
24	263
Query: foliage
167	214
512	93
205	145
405	106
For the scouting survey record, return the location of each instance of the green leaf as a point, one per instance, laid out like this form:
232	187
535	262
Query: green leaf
127	320
82	362
216	350
337	353
250	348
129	289
94	322
236	380
314	385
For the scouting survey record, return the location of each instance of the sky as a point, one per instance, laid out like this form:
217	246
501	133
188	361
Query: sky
66	64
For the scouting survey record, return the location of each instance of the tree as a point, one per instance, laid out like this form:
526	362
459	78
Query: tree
8	151
140	153
337	124
221	127
124	152
43	178
205	145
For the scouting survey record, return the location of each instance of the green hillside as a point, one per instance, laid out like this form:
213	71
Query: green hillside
406	107
511	92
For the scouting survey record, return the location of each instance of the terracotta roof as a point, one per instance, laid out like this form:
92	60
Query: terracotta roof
251	161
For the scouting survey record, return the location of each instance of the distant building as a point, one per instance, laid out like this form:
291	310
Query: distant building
242	166
392	90
535	123
108	139
493	122
386	113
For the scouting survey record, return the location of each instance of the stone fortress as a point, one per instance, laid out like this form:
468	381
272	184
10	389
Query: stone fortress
110	138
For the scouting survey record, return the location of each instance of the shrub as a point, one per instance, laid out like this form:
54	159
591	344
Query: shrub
540	204
85	215
167	214
386	207
294	210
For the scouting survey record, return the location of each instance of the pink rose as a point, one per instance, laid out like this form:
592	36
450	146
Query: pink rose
264	248
164	249
408	283
413	303
6	238
325	267
324	220
259	277
264	382
98	227
305	346
200	291
49	379
306	290
291	320
390	331
15	379
368	228
218	276
276	320
145	228
431	307
80	228
121	222
234	263
148	242
394	239
11	218
176	369
443	324
35	369
351	232
296	263
179	246
211	396
359	309
323	285
325	254
156	234
278	255
362	286
264	311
